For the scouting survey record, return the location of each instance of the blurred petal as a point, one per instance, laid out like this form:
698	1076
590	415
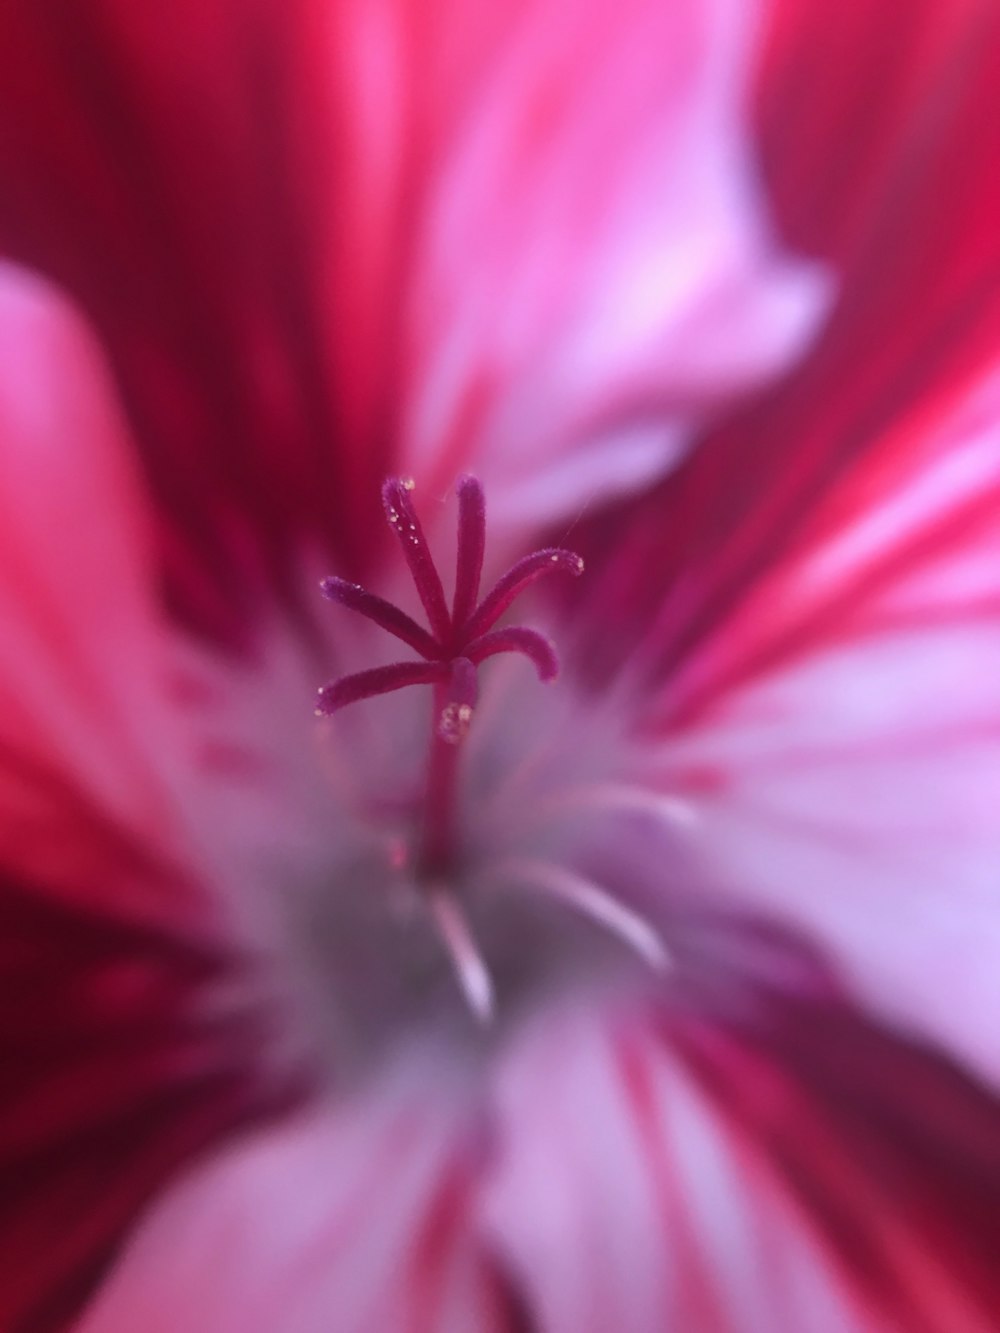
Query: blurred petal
82	693
126	1041
355	1220
916	77
687	1174
879	148
844	730
315	237
169	170
596	272
126	1050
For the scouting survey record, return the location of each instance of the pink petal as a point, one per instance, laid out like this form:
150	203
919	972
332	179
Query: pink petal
357	236
920	78
694	1175
128	1040
171	172
119	740
596	274
126	1051
917	321
83	713
354	1220
850	715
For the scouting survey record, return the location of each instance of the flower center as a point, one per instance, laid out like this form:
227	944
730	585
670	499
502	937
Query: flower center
450	651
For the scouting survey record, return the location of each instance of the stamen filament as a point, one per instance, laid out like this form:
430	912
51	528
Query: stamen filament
588	898
437	833
514	582
470	969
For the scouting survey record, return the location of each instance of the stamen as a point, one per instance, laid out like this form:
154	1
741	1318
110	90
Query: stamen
380	680
403	520
588	898
471	546
514	582
470	968
383	613
517	639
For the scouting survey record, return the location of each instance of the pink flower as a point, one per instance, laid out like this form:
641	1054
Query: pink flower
707	295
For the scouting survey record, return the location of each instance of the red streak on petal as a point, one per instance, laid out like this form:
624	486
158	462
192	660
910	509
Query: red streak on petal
117	1070
890	1149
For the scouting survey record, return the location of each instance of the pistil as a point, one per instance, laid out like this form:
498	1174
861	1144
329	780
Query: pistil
450	651
457	642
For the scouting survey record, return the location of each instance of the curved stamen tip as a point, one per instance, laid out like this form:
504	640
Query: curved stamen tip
394	492
518	639
551	559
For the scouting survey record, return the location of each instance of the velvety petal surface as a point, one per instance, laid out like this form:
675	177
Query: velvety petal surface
841	734
814	594
908	213
323	242
595	271
82	689
782	1166
355	1219
128	1039
171	171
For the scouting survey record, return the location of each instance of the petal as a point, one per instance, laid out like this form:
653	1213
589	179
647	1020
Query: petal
879	150
82	698
358	234
917	79
126	1051
128	1040
170	171
690	1173
355	1219
598	274
844	731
